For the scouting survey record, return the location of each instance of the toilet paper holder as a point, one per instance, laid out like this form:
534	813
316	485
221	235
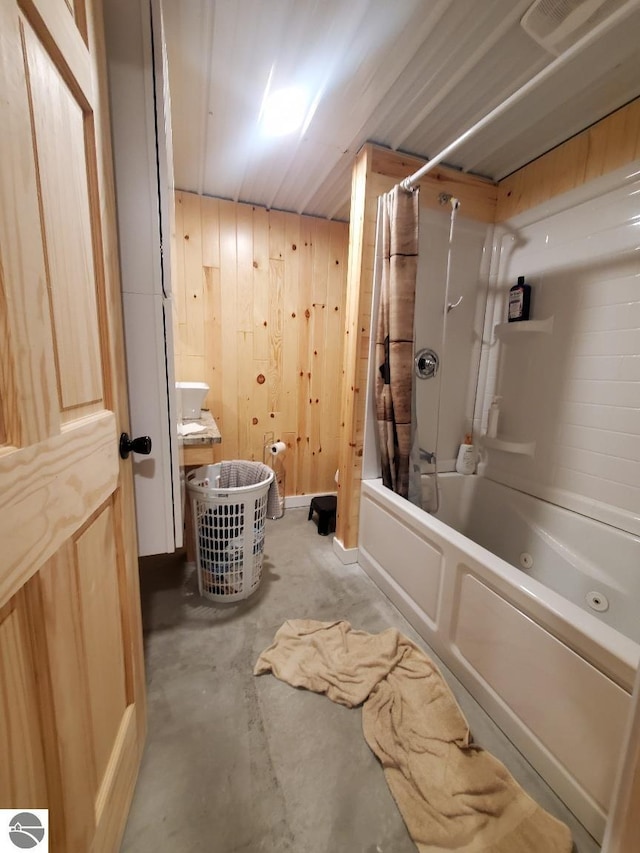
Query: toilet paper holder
273	453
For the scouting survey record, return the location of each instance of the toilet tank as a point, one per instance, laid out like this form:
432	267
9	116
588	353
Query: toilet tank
191	397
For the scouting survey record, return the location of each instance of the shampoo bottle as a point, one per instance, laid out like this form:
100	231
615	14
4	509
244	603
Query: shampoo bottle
519	301
466	461
492	419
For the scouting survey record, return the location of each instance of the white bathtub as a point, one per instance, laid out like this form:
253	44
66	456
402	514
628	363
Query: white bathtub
586	561
552	674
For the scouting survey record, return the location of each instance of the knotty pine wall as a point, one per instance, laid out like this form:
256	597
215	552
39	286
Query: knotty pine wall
601	148
260	308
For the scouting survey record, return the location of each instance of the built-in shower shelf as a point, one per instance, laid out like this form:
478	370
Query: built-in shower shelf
517	331
508	445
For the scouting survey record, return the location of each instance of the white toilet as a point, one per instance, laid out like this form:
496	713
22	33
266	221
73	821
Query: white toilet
190	399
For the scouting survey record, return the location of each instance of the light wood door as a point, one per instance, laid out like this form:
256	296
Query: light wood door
72	715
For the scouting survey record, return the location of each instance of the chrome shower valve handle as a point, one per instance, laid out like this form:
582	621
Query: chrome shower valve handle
426	363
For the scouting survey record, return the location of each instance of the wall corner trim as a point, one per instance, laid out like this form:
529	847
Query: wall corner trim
347	556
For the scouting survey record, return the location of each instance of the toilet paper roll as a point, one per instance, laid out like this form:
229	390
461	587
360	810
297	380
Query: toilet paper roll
278	448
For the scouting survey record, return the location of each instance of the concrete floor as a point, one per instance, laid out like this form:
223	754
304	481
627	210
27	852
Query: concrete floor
238	764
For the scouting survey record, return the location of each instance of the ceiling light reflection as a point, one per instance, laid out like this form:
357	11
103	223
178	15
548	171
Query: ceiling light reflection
284	111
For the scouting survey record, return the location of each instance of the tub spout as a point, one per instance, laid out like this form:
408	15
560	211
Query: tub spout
428	456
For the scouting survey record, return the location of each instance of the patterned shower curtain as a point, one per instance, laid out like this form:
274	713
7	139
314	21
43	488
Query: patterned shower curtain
394	337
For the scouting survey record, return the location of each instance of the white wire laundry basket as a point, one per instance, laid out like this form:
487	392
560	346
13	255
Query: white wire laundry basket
229	527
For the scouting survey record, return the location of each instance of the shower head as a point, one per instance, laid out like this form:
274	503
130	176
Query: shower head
446	198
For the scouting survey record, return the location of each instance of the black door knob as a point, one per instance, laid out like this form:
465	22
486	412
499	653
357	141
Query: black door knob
142	444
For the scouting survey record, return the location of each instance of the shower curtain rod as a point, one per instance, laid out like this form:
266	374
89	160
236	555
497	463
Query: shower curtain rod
616	17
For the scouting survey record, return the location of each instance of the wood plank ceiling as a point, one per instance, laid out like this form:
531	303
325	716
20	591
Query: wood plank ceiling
411	75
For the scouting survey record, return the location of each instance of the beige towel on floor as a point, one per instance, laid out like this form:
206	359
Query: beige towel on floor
452	794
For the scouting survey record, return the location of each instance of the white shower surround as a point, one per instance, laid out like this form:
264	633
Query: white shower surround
575	390
554	677
460	355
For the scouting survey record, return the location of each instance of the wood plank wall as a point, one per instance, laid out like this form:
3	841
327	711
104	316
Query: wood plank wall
375	172
599	149
260	308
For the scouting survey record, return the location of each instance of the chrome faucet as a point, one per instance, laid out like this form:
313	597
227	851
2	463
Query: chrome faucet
427	456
